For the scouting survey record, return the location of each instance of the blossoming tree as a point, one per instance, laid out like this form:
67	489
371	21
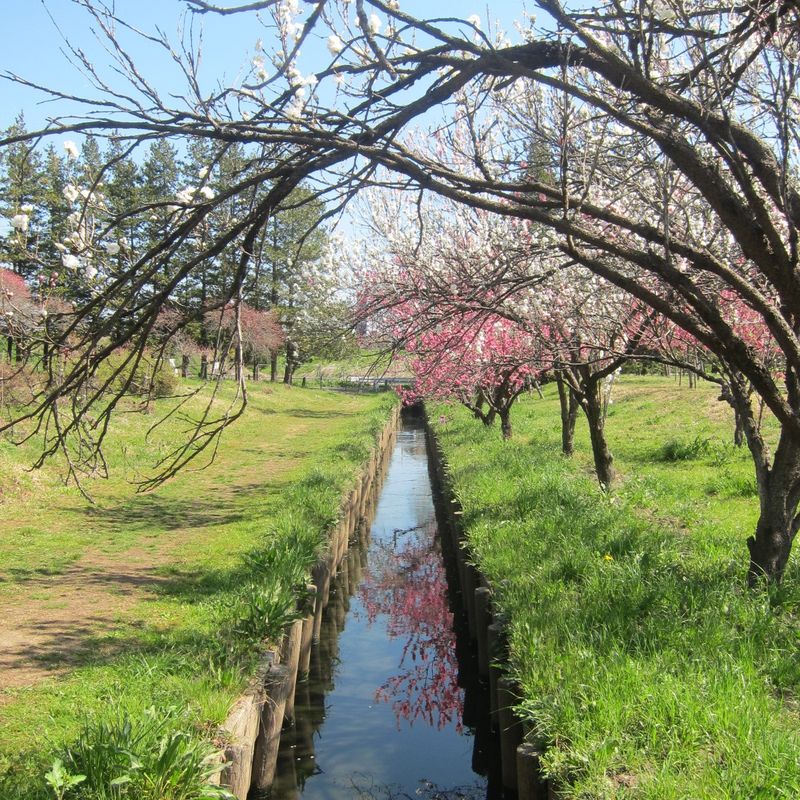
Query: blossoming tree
675	105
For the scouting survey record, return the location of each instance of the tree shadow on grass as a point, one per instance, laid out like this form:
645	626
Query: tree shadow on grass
167	514
307	413
70	640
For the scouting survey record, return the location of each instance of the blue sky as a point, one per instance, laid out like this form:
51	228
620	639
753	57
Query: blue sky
32	45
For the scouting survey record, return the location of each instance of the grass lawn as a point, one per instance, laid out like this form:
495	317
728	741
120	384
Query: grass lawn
160	599
646	667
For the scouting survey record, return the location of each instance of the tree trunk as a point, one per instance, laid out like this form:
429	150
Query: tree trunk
569	415
603	460
738	431
239	364
779	492
204	367
273	367
505	422
10	348
184	366
256	370
770	546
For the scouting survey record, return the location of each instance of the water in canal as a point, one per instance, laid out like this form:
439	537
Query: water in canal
383	712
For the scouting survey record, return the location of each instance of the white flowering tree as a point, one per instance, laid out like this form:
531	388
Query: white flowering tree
578	122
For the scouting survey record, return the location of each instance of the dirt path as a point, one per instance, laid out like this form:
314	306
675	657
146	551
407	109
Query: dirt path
55	622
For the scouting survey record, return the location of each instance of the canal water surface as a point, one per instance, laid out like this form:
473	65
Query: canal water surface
383	712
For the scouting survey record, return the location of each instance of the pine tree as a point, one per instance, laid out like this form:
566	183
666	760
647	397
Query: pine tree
21	190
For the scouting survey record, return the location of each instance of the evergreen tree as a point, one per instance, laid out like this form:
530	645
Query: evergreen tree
21	190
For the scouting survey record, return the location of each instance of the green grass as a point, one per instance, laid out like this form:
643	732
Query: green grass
646	667
162	599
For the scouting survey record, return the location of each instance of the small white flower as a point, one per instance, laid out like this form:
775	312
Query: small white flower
20	222
112	248
186	195
71	150
70	261
475	21
71	193
294	110
90	272
374	24
335	45
202	173
27	208
208	193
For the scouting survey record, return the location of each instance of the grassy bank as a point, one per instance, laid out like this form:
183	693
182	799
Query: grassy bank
161	599
646	667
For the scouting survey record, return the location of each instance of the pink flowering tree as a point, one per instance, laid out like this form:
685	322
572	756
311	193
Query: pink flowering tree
18	314
485	362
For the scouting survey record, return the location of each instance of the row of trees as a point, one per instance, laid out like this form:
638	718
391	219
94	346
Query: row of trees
77	221
440	292
651	143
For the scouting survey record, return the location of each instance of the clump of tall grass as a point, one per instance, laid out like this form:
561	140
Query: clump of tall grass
146	757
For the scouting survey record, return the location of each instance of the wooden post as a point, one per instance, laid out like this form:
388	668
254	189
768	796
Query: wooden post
291	658
277	685
495	639
510	733
242	726
308	608
468	593
482	621
530	785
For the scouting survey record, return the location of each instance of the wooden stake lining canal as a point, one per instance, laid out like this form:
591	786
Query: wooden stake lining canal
252	729
520	760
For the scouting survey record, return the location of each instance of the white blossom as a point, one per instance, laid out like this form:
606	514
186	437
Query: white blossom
335	45
186	195
20	222
71	150
71	193
70	261
112	248
374	24
208	193
475	21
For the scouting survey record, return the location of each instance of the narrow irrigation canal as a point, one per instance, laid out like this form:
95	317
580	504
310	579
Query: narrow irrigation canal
392	708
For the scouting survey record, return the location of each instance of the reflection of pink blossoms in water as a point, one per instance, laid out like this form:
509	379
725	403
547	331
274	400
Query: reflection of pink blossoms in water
407	584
